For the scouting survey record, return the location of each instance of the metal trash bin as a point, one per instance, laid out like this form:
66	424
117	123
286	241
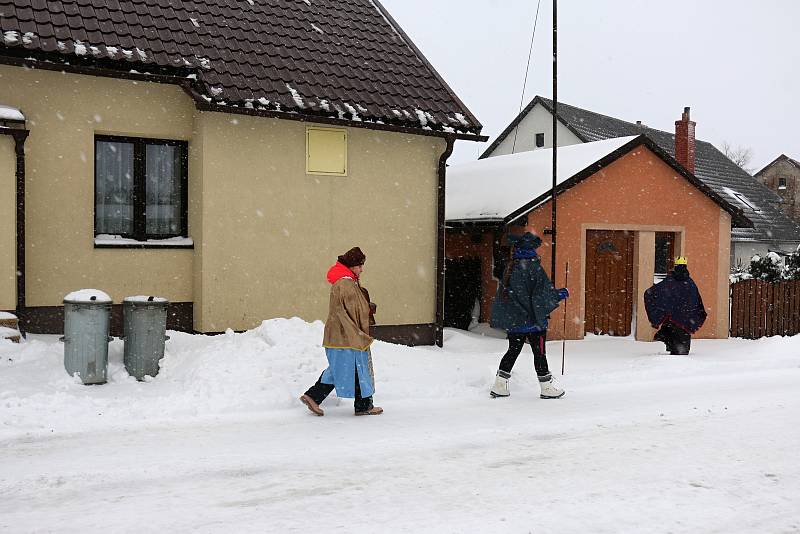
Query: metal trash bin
86	323
145	331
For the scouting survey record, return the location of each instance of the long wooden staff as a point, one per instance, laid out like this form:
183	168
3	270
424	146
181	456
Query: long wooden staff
564	337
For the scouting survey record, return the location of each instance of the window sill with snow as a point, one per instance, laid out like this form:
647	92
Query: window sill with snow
116	241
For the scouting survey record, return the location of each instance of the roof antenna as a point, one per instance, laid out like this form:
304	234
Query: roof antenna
527	68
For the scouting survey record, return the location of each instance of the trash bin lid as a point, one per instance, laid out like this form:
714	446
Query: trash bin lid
88	296
146	299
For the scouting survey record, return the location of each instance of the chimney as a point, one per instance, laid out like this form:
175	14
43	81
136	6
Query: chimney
684	141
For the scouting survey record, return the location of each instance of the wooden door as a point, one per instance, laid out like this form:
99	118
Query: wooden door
609	282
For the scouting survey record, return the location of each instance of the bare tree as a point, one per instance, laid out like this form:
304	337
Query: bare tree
740	155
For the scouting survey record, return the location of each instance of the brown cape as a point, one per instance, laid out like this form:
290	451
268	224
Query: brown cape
347	326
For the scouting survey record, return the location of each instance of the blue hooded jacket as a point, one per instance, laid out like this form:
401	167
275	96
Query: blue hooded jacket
675	299
524	305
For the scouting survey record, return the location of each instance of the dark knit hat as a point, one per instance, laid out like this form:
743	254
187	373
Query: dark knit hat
352	258
526	241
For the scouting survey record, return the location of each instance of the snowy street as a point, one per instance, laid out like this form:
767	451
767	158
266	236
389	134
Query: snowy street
642	442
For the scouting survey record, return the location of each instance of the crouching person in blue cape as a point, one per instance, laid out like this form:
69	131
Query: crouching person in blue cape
675	308
346	340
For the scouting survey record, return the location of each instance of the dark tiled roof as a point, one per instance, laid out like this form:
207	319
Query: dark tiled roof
727	179
339	58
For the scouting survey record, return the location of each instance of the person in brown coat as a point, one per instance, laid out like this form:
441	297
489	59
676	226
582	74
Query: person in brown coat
346	340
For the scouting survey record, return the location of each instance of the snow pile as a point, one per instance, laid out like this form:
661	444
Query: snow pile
642	442
267	368
264	369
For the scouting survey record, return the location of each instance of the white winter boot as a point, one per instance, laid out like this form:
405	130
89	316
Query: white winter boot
500	388
549	388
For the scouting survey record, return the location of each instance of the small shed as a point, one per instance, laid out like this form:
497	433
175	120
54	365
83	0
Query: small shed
625	209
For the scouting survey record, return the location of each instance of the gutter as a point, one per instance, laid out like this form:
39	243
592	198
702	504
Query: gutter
204	105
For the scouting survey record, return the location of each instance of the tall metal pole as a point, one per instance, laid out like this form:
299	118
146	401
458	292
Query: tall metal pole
555	138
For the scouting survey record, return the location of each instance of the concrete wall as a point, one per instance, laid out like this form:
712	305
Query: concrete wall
64	112
269	231
536	121
8	231
649	196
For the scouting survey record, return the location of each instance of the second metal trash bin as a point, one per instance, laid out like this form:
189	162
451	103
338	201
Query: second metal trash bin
145	328
86	321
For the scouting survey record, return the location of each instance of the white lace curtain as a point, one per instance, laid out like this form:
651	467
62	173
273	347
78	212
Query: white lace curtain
114	188
164	196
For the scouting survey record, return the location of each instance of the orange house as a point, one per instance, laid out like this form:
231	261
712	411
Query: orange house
625	209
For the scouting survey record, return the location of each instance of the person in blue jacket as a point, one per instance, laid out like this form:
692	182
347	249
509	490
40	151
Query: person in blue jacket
674	307
524	300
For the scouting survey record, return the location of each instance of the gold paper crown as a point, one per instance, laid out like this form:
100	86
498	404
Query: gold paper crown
681	260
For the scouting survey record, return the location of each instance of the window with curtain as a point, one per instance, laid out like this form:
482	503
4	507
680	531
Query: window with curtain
140	187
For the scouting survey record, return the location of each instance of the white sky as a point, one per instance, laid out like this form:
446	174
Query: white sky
734	62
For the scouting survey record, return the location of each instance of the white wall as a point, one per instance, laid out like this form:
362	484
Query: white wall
536	121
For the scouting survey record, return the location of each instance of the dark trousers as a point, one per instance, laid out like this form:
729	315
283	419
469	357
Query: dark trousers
677	340
515	344
320	391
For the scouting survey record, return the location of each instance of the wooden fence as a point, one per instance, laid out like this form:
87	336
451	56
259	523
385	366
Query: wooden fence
760	308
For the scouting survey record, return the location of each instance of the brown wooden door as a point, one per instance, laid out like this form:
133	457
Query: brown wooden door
609	282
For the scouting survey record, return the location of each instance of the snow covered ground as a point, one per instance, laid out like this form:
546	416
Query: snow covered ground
642	442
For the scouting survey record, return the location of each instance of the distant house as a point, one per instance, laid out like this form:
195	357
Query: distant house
626	208
772	229
782	176
221	154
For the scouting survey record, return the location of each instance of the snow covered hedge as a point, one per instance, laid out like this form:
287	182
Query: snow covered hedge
770	268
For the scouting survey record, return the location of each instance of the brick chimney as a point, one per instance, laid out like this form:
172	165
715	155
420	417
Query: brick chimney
684	141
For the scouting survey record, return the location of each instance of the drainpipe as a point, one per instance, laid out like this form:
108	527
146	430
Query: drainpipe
19	150
16	129
448	151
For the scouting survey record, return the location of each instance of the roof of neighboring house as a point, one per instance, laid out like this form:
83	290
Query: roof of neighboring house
782	157
345	59
712	167
479	190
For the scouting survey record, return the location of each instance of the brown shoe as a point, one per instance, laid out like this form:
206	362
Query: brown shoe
375	410
313	406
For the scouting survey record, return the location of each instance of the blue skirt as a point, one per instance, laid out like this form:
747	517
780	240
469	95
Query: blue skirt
342	367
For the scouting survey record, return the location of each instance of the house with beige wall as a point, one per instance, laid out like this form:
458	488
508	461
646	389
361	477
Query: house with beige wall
625	209
223	166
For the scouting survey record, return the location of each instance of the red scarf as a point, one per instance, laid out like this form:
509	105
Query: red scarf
339	271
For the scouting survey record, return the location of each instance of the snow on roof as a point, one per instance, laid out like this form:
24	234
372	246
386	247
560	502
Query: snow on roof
493	188
10	114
